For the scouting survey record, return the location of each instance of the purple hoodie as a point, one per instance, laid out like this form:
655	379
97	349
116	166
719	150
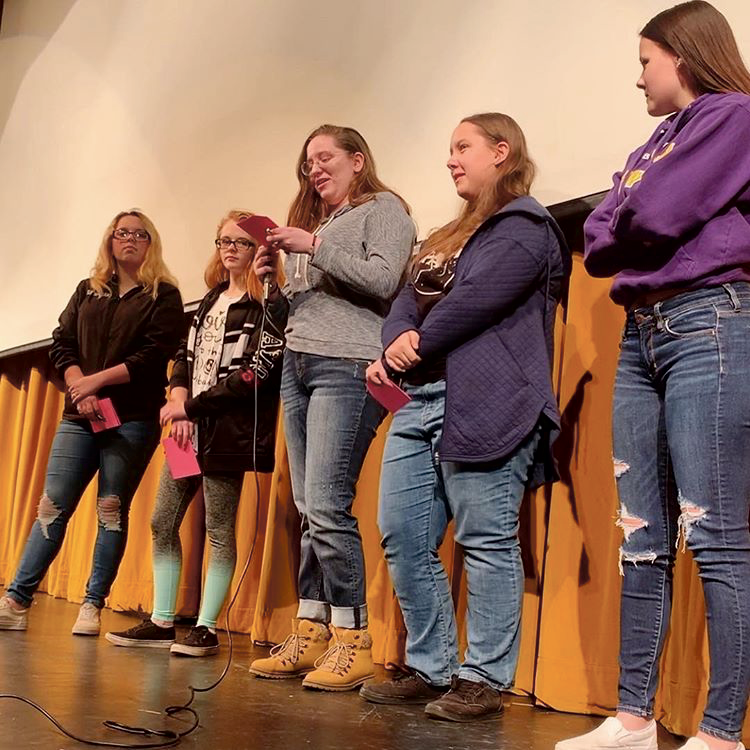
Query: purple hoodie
678	215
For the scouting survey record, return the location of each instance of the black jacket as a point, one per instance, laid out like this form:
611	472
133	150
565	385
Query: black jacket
97	331
225	413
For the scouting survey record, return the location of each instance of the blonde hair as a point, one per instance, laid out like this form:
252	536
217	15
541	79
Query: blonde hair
514	178
153	270
216	273
308	209
702	38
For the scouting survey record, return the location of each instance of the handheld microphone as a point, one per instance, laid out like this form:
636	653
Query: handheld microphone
258	228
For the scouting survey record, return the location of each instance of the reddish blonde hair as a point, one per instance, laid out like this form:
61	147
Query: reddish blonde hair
216	273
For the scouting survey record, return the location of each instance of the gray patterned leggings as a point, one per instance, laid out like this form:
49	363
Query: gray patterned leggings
221	493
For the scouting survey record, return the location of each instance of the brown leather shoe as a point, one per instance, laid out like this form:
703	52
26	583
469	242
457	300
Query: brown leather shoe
405	687
467	701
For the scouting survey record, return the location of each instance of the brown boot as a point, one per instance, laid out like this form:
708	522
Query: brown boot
467	701
406	686
297	655
346	664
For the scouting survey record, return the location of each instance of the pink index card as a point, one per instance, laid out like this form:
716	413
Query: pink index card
110	416
389	395
257	227
182	461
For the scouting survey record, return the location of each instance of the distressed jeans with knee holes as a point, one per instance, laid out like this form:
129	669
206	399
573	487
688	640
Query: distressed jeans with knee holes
681	429
121	456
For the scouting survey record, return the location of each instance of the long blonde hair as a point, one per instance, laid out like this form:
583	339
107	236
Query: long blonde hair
514	178
702	38
308	209
153	270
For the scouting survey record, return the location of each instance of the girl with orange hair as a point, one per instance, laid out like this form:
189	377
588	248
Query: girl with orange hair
229	352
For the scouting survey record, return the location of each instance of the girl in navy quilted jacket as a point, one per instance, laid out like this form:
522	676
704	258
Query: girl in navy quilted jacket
470	337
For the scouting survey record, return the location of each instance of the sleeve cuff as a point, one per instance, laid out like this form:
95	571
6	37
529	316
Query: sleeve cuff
192	409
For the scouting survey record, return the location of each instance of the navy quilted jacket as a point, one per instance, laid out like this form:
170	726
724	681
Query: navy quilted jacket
495	328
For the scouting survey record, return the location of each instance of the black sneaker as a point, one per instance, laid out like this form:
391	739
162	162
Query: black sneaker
467	701
144	635
405	687
200	641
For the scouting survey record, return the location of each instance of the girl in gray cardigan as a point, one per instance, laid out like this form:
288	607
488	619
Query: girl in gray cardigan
347	241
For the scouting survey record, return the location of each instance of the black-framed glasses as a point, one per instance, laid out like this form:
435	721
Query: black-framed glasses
226	242
139	235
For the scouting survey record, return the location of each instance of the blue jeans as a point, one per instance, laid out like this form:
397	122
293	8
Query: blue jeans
419	495
121	456
681	442
329	423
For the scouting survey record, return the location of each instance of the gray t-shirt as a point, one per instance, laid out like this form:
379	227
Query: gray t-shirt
338	301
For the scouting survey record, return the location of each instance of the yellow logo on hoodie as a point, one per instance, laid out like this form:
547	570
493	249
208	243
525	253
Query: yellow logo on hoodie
664	152
633	177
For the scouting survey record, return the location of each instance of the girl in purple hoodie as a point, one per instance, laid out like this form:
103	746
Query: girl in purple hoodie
674	231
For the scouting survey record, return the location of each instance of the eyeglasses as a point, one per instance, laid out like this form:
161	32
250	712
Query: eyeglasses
225	243
307	166
139	235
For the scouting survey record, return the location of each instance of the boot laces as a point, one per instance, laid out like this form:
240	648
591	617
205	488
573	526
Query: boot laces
290	648
337	659
402	676
466	689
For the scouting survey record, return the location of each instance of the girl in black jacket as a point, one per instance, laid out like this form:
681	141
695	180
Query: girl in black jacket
212	403
115	338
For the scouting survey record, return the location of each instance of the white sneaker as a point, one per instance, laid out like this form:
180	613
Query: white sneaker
612	735
696	743
89	620
10	617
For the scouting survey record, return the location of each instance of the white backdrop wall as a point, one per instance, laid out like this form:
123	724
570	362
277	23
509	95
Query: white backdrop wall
186	108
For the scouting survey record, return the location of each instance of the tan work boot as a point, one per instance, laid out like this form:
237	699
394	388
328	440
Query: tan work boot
346	664
297	655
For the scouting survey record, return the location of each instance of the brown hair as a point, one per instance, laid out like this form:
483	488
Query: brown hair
308	209
703	40
216	273
514	178
153	270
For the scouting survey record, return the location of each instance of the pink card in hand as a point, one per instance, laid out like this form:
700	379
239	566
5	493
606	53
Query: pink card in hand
182	461
389	395
110	416
257	227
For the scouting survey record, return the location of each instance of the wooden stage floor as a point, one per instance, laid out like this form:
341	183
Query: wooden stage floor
83	681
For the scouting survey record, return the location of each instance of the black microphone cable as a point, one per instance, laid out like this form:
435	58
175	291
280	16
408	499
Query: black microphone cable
171	738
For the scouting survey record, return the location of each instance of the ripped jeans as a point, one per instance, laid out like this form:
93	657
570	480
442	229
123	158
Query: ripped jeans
681	429
121	456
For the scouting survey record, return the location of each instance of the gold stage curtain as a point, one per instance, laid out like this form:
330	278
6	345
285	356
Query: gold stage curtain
570	544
